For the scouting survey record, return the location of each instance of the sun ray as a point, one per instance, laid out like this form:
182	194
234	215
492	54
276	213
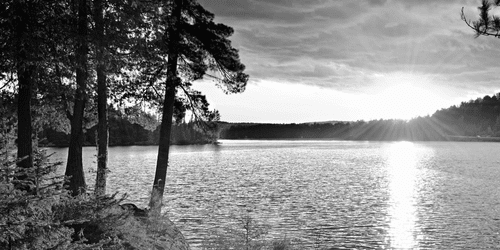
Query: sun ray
405	95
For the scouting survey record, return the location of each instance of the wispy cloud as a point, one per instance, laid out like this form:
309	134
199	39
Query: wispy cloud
344	45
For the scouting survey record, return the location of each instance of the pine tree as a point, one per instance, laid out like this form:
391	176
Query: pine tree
487	24
74	167
195	44
26	40
102	101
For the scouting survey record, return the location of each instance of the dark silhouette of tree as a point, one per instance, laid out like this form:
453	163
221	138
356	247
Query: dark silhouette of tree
115	33
194	45
102	100
26	36
74	167
172	82
487	24
25	70
109	41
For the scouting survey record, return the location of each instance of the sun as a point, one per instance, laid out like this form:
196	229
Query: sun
405	96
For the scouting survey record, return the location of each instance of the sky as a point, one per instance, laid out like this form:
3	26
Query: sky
348	60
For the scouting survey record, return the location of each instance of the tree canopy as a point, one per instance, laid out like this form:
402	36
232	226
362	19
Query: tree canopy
67	62
189	46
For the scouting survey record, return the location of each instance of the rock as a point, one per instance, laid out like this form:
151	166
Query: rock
138	212
142	232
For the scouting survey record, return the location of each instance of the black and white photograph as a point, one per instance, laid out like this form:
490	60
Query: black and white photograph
249	124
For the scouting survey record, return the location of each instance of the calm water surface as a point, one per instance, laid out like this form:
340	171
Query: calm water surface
364	195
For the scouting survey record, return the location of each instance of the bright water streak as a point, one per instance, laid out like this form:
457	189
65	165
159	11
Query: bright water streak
394	195
402	166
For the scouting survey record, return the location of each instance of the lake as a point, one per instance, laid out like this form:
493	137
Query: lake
343	194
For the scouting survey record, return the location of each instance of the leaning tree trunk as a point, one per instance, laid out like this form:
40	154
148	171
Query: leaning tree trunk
102	97
168	108
25	77
74	167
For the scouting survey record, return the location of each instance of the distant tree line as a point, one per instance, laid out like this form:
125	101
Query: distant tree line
126	130
479	117
475	118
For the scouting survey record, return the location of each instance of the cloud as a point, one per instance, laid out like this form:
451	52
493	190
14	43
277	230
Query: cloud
344	44
284	12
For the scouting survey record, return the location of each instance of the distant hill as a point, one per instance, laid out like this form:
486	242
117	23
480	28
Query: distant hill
474	120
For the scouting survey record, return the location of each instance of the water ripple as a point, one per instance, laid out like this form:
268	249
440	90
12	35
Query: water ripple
327	194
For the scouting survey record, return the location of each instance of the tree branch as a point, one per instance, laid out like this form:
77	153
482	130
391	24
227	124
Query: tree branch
476	26
7	83
204	124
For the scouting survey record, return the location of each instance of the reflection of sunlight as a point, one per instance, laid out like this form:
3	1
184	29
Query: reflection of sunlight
402	163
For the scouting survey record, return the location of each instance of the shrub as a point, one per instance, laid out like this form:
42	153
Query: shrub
36	212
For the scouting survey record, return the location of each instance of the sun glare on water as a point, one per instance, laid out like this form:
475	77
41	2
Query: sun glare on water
402	172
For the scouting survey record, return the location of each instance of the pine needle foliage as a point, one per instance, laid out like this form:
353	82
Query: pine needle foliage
487	24
38	213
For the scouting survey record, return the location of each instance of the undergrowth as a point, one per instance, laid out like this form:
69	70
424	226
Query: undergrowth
37	212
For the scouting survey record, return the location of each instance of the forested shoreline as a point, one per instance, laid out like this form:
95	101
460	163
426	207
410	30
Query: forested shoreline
124	133
475	120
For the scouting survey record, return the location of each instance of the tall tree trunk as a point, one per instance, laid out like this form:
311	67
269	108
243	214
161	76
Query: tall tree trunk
168	108
102	97
24	126
25	71
74	167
